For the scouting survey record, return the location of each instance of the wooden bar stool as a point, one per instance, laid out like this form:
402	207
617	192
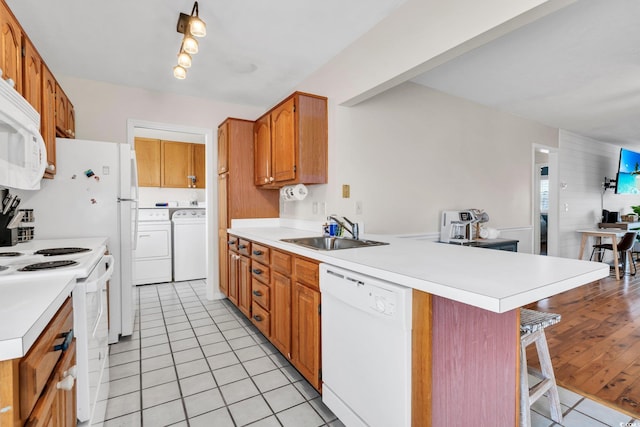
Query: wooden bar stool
532	324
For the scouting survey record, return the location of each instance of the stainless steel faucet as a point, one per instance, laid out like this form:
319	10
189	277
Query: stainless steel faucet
354	230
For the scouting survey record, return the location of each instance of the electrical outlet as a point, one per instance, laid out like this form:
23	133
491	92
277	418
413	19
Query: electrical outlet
359	207
314	208
346	191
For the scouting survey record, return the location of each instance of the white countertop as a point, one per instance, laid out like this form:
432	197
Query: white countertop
31	299
28	305
493	280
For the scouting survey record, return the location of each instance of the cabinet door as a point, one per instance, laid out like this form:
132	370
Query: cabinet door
281	313
244	285
62	107
48	119
283	142
148	157
10	47
199	168
305	332
223	204
262	150
223	148
223	257
32	76
233	277
71	120
176	160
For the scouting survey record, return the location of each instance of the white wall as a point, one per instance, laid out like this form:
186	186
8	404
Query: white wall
411	152
584	162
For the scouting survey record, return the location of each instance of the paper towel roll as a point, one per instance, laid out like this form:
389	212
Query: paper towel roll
293	192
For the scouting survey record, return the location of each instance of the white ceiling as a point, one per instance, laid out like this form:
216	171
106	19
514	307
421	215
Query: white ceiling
255	52
577	69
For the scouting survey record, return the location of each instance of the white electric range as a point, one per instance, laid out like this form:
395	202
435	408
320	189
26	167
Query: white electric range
84	258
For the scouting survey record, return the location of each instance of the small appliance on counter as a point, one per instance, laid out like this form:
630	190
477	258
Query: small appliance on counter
457	226
10	218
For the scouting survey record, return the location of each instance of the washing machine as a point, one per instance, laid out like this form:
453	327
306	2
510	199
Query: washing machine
153	255
189	244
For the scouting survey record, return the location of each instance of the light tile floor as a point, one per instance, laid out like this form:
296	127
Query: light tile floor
195	362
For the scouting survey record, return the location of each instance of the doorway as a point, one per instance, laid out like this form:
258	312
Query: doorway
545	200
142	128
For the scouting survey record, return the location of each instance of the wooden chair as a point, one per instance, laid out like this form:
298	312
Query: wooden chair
532	324
625	248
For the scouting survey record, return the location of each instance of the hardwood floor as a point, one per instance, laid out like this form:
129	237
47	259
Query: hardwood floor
595	349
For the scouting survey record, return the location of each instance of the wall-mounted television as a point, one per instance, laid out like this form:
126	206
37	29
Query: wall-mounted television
628	181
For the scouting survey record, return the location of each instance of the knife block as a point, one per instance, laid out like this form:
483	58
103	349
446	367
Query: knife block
9	237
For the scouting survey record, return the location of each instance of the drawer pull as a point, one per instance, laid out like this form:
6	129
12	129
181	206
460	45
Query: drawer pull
257	252
231	242
257	293
242	246
257	318
66	383
257	271
68	337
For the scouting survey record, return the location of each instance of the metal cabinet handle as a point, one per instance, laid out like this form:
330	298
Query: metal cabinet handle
257	271
257	293
257	252
242	246
231	242
68	337
257	318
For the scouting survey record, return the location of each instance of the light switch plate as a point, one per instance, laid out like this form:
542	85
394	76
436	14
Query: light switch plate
346	191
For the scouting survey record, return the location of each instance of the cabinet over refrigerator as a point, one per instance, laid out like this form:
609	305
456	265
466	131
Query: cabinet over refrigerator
94	194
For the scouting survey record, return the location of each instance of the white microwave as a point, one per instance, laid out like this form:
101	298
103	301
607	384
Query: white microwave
23	154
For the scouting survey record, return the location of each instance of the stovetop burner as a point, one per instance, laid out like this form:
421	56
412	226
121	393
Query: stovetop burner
10	254
60	251
48	265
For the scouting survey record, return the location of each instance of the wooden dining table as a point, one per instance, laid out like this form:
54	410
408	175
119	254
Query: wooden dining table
599	233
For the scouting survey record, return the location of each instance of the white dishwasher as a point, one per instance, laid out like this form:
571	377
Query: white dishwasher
366	349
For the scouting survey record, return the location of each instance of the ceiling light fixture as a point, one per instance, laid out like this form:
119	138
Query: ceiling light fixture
191	26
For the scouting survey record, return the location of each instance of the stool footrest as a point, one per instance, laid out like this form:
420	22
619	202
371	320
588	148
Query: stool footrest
538	390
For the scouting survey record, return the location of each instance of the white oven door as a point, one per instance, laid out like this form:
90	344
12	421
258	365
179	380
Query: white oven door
90	324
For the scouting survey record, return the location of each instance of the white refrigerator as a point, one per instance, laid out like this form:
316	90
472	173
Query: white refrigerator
94	194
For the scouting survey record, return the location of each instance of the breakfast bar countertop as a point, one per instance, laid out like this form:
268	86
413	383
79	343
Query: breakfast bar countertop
493	280
28	305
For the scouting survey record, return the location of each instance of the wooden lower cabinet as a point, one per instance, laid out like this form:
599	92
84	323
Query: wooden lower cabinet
305	333
281	313
283	300
29	392
244	285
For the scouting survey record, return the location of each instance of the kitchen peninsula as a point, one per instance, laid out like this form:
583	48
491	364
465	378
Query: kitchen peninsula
465	314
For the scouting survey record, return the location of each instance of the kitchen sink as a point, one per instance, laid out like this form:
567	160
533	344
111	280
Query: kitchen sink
332	243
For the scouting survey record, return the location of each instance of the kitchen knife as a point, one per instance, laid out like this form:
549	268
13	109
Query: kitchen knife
8	205
15	203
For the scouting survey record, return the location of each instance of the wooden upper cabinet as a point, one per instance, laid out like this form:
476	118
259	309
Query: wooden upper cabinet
199	168
179	162
223	148
10	47
283	146
148	158
262	150
290	142
32	76
65	115
176	161
48	119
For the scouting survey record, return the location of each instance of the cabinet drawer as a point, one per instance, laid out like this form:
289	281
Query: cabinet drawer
281	262
307	272
244	247
232	243
260	253
260	293
36	366
260	272
261	319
